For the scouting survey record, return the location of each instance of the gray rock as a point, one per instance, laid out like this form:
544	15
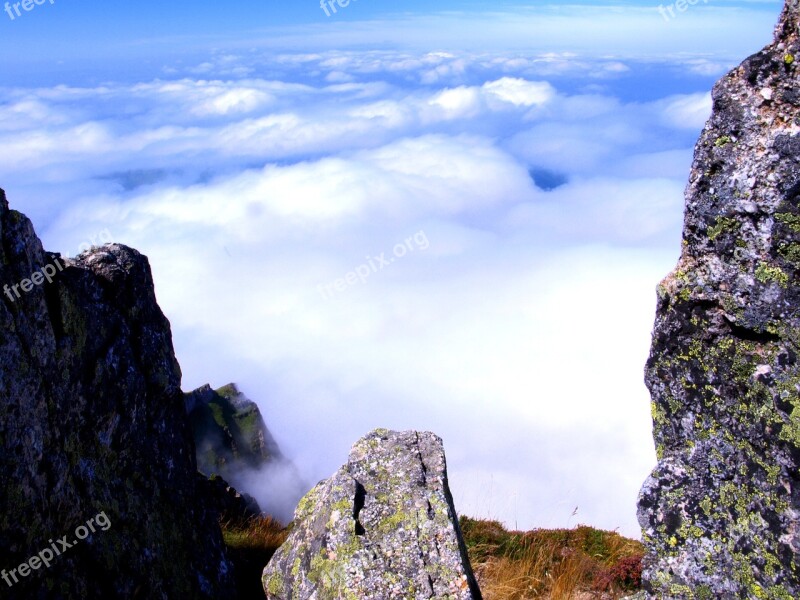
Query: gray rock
233	441
721	511
92	419
382	527
234	507
229	432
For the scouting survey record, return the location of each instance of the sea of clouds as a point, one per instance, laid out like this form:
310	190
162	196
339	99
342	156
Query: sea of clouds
547	185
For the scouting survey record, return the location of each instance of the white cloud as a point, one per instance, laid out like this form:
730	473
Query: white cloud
520	92
521	329
690	111
458	103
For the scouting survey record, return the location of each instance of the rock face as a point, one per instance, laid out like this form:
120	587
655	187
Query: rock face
721	511
229	431
233	441
92	420
232	505
382	527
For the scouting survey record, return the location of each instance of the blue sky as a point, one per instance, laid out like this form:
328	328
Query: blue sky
515	170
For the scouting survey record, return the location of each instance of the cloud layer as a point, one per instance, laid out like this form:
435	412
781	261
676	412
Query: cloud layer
515	212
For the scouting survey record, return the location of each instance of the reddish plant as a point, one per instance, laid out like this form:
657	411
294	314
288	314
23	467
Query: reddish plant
626	574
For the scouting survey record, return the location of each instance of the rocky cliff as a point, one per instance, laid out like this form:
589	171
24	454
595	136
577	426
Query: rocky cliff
384	526
92	420
229	432
721	511
234	442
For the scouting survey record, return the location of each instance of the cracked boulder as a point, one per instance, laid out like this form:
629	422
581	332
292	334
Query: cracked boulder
721	511
384	526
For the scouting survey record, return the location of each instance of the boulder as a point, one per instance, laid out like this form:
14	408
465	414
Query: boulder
384	526
92	420
721	511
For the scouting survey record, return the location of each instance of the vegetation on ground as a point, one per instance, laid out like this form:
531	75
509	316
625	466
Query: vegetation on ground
251	544
559	564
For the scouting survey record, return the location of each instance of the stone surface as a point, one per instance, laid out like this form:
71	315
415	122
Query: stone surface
92	419
234	507
382	527
233	441
721	511
229	431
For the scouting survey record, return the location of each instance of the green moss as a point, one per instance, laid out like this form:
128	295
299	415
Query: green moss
769	274
707	505
680	591
791	252
704	593
790	220
723	140
296	566
307	505
391	523
249	422
329	573
228	391
788	59
275	585
218	414
721	226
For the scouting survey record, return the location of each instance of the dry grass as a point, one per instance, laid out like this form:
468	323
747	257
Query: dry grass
562	564
260	533
251	545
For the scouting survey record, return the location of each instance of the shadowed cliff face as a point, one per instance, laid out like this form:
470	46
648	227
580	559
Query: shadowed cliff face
233	441
92	420
229	431
720	511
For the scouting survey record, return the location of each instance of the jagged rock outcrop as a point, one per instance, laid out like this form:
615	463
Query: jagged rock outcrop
233	441
721	511
229	431
92	419
233	506
384	526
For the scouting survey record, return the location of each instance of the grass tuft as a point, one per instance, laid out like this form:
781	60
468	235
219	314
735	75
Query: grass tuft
559	564
251	544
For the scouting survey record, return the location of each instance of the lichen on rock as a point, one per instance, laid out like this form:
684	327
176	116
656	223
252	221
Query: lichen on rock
384	526
721	511
229	432
92	419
